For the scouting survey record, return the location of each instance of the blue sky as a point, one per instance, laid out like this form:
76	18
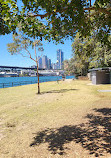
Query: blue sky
17	60
49	49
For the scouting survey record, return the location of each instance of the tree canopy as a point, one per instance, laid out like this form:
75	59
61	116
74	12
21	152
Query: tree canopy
8	12
88	53
56	19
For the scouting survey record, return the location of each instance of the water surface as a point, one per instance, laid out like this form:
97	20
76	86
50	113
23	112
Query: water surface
16	81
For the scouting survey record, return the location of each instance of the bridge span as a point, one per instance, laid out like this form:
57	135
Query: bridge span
13	68
17	67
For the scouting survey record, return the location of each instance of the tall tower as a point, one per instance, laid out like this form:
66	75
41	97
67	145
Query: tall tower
40	62
49	63
60	59
44	62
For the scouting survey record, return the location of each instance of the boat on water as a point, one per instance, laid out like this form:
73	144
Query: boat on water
8	74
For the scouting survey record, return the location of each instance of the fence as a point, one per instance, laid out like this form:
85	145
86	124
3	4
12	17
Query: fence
13	84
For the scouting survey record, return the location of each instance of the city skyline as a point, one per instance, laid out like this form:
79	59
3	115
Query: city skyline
46	63
50	50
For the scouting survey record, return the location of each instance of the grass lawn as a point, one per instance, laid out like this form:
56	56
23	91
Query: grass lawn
70	119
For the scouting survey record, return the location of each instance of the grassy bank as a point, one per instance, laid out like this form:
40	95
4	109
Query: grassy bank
69	119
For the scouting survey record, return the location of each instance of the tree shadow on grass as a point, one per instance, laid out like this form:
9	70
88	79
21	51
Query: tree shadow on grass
59	91
94	136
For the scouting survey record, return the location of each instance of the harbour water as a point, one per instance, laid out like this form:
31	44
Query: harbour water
16	81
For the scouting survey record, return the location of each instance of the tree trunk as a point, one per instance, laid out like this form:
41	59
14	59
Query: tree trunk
38	79
37	68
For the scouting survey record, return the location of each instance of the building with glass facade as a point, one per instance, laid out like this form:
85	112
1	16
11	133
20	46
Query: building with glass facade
44	62
40	62
49	64
60	59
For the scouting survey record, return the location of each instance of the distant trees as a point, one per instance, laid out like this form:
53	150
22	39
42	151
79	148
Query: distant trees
76	66
21	44
88	53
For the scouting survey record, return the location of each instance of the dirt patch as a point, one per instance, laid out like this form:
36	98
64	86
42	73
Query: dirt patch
1	136
83	78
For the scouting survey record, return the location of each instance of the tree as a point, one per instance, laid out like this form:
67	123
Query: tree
21	43
89	53
78	66
66	67
59	19
8	19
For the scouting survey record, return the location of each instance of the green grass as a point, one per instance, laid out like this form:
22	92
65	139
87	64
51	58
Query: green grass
23	112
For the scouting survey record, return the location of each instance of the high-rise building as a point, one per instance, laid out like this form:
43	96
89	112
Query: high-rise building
49	63
44	62
40	62
54	66
60	59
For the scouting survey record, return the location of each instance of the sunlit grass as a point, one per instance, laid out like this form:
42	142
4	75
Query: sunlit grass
23	111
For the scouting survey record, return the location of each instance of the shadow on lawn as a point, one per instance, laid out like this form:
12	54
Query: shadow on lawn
59	91
94	136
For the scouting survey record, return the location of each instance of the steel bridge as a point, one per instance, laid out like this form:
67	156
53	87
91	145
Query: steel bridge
26	68
17	67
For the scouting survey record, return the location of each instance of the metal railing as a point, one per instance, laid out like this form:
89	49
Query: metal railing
13	84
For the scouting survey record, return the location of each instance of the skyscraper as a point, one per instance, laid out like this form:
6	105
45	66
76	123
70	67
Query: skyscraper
44	62
60	59
54	66
49	63
40	62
